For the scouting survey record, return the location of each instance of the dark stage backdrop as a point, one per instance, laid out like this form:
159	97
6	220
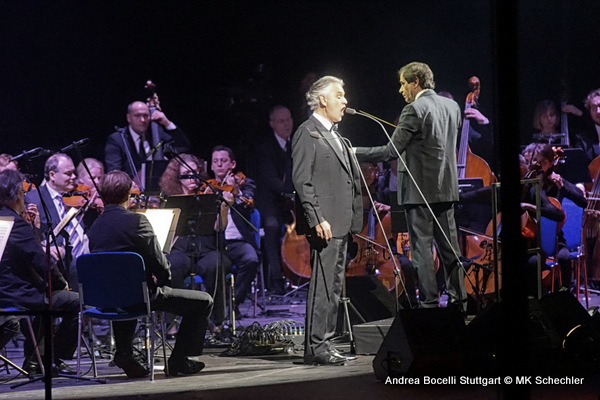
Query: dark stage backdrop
69	68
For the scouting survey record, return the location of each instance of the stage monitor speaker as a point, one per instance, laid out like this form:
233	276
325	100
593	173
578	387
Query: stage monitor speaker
423	342
370	298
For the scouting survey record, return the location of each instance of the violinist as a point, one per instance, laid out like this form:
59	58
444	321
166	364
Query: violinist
240	242
31	213
556	186
85	184
59	173
192	253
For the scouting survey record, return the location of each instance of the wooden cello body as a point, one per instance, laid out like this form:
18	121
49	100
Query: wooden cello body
591	226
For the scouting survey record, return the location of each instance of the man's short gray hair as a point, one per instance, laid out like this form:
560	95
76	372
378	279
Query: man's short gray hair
320	88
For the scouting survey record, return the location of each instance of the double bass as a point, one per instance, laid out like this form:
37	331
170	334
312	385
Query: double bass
470	165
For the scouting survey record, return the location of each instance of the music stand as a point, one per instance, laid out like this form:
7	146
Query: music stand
198	213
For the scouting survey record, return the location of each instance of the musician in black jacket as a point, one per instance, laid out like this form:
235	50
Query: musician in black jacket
23	282
118	229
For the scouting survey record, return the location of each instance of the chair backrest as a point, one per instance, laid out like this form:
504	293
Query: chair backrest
255	220
573	224
549	232
112	280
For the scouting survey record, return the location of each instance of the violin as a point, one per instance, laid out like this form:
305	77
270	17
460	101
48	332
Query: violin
240	180
83	196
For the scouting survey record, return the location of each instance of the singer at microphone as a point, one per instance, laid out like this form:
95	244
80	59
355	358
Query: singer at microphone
427	132
329	203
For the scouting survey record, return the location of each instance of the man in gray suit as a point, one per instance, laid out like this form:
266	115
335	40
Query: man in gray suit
427	132
329	206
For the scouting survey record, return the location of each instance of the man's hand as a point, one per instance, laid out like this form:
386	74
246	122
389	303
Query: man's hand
473	113
324	230
161	118
556	179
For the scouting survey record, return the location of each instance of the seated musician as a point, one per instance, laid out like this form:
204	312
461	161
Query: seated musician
546	122
118	229
194	252
6	163
23	272
140	141
240	242
408	297
59	174
556	186
85	182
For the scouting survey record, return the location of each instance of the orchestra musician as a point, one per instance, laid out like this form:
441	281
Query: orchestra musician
23	272
274	183
59	174
546	121
240	243
427	131
119	229
590	142
329	207
138	137
556	186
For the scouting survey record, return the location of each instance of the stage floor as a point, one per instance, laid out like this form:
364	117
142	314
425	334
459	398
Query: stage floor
278	376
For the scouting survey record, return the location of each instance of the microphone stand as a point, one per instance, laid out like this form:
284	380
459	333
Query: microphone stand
220	200
134	172
457	257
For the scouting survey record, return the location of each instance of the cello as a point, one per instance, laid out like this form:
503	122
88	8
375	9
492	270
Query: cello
470	165
590	221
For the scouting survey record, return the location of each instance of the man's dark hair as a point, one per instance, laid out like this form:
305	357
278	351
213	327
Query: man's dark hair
418	70
115	187
11	182
223	148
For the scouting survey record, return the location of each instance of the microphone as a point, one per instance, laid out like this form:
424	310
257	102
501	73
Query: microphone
38	151
75	145
155	148
350	111
186	176
169	150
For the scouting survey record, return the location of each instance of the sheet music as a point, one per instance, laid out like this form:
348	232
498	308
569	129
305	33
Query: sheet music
6	224
163	221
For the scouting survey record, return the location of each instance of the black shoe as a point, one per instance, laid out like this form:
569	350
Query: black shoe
324	359
61	368
32	367
132	368
348	357
184	366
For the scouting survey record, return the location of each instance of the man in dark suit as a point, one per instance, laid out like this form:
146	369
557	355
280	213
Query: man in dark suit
427	132
329	206
274	158
141	140
59	174
118	229
23	272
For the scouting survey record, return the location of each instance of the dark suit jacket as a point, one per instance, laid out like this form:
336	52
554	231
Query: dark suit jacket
272	178
118	229
115	155
427	131
328	188
24	266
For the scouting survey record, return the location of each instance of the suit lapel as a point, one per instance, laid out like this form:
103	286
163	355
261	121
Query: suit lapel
329	138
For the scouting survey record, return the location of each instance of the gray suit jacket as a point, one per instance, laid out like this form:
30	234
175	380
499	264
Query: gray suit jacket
427	131
327	186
